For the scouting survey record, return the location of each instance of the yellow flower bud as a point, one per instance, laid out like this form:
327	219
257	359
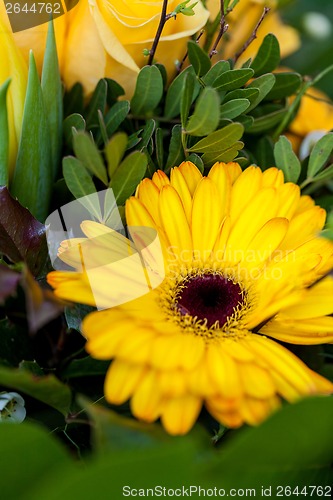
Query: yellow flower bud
13	66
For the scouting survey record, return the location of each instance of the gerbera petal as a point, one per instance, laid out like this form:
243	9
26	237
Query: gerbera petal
254	411
272	177
137	214
256	381
179	414
307	332
304	226
172	351
244	189
222	181
160	179
146	403
121	381
223	372
148	194
191	175
178	182
288	196
65	282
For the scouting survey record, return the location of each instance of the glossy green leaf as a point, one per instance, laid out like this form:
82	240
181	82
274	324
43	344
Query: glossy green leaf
174	93
219	140
249	93
52	95
86	151
128	175
186	97
226	155
115	116
286	160
96	103
234	108
32	186
159	147
147	133
268	56
115	150
266	122
285	85
264	84
4	136
74	121
233	79
320	154
198	58
176	151
206	114
215	71
47	389
148	91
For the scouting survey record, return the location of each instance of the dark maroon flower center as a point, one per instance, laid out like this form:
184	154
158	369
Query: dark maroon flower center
211	296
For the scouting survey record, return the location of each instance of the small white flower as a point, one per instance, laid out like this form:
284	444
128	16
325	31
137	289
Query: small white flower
309	141
317	25
12	407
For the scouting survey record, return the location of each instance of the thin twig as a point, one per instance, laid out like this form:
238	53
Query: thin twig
180	65
254	34
223	28
162	22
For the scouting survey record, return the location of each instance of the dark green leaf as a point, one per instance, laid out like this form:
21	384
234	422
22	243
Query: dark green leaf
22	237
163	72
75	314
327	173
85	367
32	186
285	85
264	152
172	102
320	154
4	136
264	84
206	114
266	122
232	109
47	389
147	133
268	56
86	151
198	58
186	97
73	100
219	140
233	79
228	154
115	116
52	95
128	175
97	102
246	121
148	91
115	150
176	151
215	71
75	121
114	91
159	147
286	160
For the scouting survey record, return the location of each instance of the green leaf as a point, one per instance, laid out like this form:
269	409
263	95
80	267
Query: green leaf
327	173
79	183
86	151
268	56
320	154
159	147
115	150
114	91
264	84
85	367
219	140
234	108
97	102
264	152
147	133
246	121
52	95
233	79
115	116
215	71
4	136
285	85
33	456
75	121
186	97
198	58
286	160
228	154
47	389
33	177
176	151
172	101
128	175
249	93
206	114
148	91
266	122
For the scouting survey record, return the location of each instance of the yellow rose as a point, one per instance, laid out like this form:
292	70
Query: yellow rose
106	38
13	66
242	21
315	114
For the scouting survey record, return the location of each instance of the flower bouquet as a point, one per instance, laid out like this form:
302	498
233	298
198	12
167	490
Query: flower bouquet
166	251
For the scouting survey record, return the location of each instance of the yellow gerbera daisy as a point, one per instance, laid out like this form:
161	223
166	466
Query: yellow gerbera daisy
244	264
